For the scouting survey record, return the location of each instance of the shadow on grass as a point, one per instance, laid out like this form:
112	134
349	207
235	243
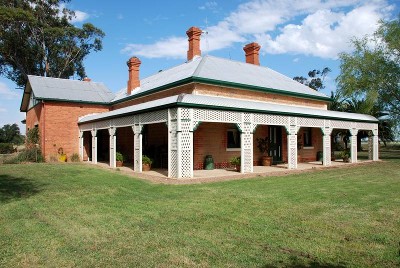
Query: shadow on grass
296	264
16	188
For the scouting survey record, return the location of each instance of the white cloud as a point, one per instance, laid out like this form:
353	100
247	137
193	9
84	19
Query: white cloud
172	47
7	93
324	31
210	5
80	16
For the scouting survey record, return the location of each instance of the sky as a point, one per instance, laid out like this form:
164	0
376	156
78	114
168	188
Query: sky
296	36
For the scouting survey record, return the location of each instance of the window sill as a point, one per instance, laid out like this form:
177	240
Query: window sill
308	147
233	149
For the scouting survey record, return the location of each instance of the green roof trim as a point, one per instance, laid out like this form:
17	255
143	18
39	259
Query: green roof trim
194	79
203	106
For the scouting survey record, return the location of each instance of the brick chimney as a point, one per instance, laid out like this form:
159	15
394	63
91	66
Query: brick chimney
194	42
87	79
252	53
133	67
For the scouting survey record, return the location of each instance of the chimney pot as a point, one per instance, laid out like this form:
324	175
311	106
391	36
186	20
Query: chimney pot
133	67
252	53
87	79
194	42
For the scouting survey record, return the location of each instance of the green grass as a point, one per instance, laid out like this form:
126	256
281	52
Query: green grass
68	215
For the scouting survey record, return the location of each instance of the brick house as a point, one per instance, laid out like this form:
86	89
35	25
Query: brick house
205	106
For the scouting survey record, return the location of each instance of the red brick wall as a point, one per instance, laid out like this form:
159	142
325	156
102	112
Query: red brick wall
61	126
125	143
35	117
307	154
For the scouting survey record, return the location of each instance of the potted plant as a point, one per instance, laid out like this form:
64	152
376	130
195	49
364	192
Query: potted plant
345	154
146	163
119	159
265	145
235	161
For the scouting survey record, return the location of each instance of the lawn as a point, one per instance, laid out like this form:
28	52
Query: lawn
68	215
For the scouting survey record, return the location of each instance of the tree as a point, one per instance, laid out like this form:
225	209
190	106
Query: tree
11	134
315	80
36	37
372	71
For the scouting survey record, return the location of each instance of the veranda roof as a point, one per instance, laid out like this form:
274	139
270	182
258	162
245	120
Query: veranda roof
221	103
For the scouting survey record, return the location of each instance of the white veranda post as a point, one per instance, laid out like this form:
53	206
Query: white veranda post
246	138
137	155
81	144
375	145
113	143
326	141
353	133
292	130
94	146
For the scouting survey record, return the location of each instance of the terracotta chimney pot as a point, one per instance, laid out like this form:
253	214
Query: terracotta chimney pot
194	42
133	67
252	53
87	79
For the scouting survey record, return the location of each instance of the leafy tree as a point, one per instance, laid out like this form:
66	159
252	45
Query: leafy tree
36	37
11	134
372	71
315	78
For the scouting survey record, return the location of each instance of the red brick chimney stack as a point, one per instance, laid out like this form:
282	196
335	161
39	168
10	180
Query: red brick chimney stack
133	67
194	42
252	53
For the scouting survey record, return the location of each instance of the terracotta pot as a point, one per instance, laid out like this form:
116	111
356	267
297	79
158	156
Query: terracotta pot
119	163
266	160
237	168
146	167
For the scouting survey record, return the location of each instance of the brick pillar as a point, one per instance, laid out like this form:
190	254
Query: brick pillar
252	53
194	42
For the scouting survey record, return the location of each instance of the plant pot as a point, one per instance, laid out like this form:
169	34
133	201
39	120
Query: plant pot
237	167
119	163
146	167
266	160
346	159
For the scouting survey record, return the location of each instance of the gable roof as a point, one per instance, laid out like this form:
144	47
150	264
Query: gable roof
221	103
57	89
219	71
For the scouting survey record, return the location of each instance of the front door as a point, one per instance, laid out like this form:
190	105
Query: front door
275	133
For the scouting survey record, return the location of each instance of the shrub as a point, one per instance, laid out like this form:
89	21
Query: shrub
6	148
75	157
32	154
235	161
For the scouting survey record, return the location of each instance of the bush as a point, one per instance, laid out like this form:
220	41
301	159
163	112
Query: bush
28	155
6	148
75	157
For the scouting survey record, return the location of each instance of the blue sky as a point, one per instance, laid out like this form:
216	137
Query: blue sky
296	36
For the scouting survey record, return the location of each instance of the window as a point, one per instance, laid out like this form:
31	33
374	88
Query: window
233	139
307	139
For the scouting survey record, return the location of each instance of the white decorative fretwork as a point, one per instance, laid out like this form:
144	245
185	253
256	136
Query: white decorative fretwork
246	136
172	146
185	143
270	119
216	116
310	122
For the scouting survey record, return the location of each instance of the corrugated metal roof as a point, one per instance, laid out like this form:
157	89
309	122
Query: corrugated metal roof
219	69
231	104
71	90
